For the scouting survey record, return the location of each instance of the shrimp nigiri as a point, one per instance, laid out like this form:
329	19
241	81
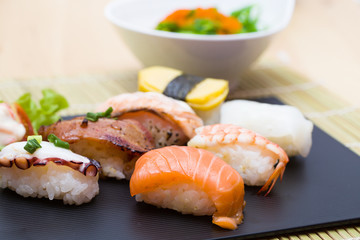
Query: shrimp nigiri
170	121
190	181
258	160
14	124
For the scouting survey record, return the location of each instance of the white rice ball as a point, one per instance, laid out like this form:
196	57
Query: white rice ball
255	166
51	181
186	198
114	163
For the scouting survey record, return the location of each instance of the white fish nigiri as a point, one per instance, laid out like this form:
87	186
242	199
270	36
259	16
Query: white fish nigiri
281	124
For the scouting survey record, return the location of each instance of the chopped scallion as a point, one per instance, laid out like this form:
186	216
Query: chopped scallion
38	138
108	112
92	116
95	116
32	145
58	142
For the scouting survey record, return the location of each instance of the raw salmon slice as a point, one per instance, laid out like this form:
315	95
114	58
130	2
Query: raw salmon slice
208	178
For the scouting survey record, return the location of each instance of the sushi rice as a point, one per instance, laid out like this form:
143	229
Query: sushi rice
113	162
241	158
50	181
186	198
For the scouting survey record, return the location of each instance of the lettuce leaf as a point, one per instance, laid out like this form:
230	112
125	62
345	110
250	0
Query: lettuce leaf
44	113
249	17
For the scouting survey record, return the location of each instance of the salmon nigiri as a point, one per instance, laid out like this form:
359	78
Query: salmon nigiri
190	181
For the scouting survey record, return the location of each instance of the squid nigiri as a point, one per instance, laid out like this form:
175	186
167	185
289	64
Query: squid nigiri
258	160
190	181
282	124
170	121
50	171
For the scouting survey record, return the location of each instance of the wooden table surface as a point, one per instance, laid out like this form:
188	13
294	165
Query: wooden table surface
42	38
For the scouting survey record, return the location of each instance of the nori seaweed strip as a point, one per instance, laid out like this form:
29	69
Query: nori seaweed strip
180	86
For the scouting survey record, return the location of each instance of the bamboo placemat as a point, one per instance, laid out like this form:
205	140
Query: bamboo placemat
327	111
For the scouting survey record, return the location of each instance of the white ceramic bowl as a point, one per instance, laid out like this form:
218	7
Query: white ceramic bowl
220	56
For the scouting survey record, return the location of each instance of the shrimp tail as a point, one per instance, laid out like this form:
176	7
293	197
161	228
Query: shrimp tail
278	172
24	119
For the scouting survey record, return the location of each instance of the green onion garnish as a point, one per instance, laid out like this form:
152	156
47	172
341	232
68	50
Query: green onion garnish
32	145
58	142
38	138
1	147
95	116
92	116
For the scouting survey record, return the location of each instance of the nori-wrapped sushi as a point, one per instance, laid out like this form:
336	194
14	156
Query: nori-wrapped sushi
204	95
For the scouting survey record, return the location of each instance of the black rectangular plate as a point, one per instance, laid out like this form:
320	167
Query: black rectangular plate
319	191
